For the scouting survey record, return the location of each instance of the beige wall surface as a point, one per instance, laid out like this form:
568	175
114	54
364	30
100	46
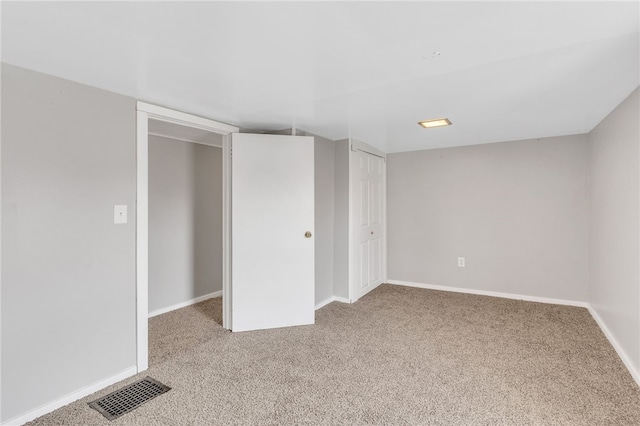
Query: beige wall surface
614	288
517	212
324	160
68	273
341	221
185	221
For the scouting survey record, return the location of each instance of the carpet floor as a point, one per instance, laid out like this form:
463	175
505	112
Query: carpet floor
399	356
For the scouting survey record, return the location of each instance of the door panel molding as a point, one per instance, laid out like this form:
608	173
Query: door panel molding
367	219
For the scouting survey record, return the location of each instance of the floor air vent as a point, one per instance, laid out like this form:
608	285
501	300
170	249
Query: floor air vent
128	398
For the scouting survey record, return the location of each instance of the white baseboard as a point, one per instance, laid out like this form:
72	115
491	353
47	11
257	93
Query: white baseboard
492	293
185	304
621	353
69	398
331	299
324	303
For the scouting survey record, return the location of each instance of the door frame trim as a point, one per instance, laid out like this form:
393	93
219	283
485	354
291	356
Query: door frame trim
144	113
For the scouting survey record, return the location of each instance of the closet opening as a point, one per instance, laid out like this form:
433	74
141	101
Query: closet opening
185	236
183	203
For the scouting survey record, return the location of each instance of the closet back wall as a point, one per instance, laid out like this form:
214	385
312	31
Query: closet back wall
185	222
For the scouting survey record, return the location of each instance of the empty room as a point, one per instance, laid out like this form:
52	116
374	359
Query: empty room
404	213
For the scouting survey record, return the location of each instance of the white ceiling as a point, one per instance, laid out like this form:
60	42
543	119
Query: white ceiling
506	70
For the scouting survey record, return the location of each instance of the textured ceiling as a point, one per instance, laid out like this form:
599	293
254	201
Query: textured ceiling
370	70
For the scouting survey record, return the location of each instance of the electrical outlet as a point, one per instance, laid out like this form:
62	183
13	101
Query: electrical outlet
461	262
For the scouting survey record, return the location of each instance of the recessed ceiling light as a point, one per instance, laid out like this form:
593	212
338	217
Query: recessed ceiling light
438	122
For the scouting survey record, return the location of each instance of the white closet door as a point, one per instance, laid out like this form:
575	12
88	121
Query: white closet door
368	180
273	278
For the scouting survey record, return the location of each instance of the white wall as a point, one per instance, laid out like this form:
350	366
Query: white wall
68	273
517	211
614	286
185	221
341	220
324	151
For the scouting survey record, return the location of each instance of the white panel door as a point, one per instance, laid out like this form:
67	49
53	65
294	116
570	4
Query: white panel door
272	272
368	188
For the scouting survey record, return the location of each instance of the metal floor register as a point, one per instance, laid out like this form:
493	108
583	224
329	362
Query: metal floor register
129	398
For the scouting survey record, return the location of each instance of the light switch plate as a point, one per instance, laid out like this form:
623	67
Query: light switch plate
119	214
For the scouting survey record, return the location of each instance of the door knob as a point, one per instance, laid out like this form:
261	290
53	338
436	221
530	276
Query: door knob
307	234
371	232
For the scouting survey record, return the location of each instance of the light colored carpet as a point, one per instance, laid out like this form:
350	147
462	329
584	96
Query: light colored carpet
398	356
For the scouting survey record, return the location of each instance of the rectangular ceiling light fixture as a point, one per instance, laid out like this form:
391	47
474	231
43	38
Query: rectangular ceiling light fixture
438	122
